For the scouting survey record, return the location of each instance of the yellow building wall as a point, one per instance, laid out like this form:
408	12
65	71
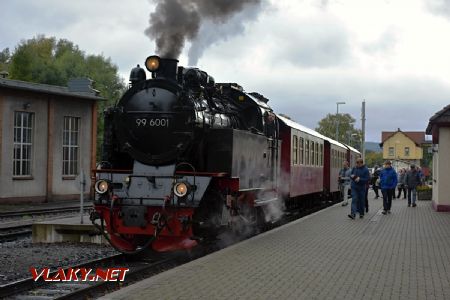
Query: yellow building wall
399	141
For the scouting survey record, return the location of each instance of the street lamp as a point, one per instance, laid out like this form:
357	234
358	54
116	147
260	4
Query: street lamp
337	119
354	135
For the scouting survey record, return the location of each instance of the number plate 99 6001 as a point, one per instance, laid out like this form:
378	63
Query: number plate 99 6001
152	122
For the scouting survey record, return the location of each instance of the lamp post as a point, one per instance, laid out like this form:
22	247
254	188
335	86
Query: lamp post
337	119
354	135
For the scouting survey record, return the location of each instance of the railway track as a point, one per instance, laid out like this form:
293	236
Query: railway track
17	224
12	233
139	268
40	212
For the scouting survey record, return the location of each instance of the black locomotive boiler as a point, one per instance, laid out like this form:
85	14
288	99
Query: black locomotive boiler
183	159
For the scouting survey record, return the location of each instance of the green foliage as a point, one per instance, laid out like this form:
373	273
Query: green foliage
46	60
5	58
374	158
348	134
424	188
50	61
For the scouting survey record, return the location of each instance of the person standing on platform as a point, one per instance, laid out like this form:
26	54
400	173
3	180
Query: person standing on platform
366	197
344	182
401	183
376	181
412	181
388	182
360	177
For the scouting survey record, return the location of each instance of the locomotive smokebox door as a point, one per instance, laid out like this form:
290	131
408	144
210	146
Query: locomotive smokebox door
134	216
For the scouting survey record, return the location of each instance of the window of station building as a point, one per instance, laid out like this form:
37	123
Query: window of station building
302	150
23	143
71	135
313	154
294	150
406	151
306	152
391	151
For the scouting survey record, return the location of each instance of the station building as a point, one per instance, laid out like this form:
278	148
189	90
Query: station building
403	148
439	128
47	139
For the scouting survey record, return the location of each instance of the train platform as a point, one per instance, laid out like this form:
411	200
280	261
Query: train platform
402	255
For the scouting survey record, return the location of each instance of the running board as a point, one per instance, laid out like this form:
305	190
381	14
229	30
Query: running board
265	202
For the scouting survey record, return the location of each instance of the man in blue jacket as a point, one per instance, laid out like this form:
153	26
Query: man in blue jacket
359	176
388	182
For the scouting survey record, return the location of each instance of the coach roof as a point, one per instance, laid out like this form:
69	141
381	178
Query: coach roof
307	130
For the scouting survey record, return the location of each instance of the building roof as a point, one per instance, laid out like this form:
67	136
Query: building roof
79	88
441	117
417	137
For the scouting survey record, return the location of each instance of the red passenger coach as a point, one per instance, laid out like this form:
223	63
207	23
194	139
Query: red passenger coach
310	162
302	160
352	155
336	153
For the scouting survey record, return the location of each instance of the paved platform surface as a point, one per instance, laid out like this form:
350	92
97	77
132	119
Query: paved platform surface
404	255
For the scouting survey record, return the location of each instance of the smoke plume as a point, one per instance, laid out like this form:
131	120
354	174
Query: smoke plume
176	21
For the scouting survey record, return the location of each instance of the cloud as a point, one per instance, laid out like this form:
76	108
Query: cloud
439	7
318	41
384	43
211	32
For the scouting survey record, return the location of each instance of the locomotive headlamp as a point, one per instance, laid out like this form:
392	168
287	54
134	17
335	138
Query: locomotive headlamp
181	189
127	180
152	63
101	186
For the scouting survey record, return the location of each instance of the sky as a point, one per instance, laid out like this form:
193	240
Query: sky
303	55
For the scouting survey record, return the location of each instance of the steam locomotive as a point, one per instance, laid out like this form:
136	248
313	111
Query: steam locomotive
185	158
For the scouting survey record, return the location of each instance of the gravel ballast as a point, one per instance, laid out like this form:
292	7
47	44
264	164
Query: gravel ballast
17	257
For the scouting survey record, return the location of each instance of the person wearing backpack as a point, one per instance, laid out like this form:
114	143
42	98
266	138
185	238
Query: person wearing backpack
388	182
360	177
412	181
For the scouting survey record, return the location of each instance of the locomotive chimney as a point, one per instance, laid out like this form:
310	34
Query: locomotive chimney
168	69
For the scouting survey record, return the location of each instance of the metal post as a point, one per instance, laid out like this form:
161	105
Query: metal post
337	119
82	184
363	130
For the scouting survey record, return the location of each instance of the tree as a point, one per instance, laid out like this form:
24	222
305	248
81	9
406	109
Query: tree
374	158
5	57
51	61
348	134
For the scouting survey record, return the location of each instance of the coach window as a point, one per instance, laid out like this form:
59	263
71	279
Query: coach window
333	158
313	154
317	155
302	150
321	155
23	144
294	150
306	152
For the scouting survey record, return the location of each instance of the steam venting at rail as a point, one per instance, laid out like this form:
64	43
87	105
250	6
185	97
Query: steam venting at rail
176	21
